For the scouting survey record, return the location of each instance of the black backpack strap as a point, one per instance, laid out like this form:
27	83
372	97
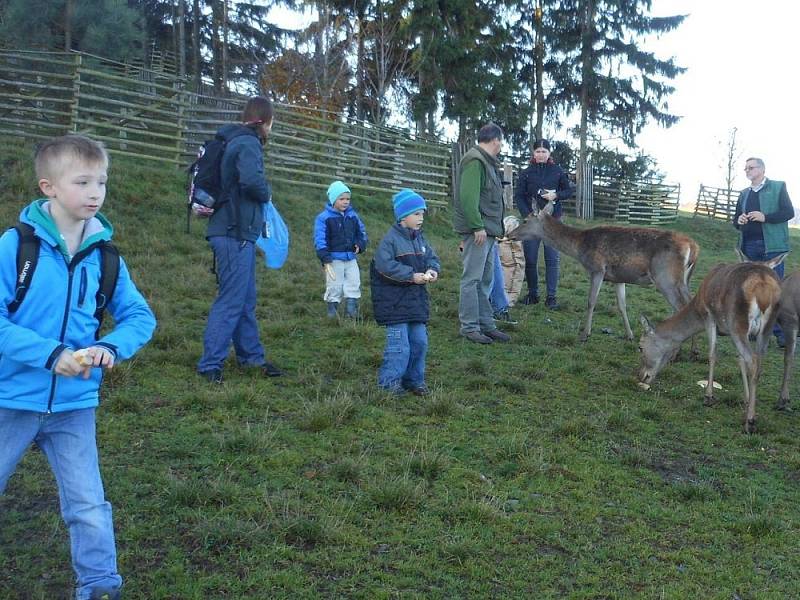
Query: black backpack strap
27	259
109	273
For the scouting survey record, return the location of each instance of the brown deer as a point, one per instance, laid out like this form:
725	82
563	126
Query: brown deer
638	255
740	300
789	320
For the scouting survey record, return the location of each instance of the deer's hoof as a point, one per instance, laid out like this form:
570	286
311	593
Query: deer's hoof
783	404
583	336
750	426
709	401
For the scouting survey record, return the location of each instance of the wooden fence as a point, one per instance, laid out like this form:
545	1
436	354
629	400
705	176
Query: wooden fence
716	203
150	115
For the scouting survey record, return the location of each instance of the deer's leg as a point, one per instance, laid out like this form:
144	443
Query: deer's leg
790	331
672	286
749	366
711	332
624	310
596	280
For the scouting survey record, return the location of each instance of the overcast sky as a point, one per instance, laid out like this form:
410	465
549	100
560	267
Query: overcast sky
742	72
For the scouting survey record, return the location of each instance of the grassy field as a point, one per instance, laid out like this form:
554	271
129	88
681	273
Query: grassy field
537	469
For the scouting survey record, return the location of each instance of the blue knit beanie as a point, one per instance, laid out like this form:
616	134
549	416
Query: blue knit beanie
406	202
336	189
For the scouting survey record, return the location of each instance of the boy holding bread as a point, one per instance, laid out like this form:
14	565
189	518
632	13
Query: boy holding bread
51	359
404	265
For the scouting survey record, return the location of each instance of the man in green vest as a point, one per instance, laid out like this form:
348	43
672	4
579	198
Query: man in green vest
762	215
478	218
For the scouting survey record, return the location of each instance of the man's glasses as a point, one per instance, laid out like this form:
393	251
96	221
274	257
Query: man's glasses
751	167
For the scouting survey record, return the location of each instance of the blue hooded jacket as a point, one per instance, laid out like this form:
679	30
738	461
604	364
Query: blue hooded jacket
58	313
336	234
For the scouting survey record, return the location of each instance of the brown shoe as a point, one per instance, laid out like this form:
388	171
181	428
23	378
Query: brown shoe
477	337
497	336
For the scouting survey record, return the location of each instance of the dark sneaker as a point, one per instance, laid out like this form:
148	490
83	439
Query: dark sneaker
502	316
530	299
105	594
551	303
478	337
497	336
421	390
212	376
394	389
270	370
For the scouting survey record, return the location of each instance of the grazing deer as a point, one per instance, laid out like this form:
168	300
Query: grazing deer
789	320
621	255
740	300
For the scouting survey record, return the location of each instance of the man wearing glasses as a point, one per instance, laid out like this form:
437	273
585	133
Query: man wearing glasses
762	215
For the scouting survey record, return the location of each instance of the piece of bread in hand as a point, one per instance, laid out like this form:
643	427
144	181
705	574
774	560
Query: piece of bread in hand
83	358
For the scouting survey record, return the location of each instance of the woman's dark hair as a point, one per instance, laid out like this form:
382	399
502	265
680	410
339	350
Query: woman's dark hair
258	110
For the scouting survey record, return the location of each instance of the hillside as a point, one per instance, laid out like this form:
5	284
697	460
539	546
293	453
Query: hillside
537	469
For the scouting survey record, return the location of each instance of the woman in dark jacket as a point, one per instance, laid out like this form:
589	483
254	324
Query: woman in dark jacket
232	232
541	182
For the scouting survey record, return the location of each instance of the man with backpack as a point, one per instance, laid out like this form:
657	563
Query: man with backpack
233	228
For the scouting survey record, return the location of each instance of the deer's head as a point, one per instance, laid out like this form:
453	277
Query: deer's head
532	226
656	352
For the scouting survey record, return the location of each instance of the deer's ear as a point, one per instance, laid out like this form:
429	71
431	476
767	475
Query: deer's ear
740	254
774	262
647	325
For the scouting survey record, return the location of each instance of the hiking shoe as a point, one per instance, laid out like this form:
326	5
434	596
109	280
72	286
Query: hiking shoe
530	299
502	316
270	370
552	303
395	389
497	336
421	390
105	594
477	337
212	376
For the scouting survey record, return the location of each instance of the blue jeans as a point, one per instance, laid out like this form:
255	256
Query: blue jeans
233	314
551	267
403	363
755	250
68	441
497	297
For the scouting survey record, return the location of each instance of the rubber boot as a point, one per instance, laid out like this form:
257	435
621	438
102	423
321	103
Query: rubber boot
333	307
351	307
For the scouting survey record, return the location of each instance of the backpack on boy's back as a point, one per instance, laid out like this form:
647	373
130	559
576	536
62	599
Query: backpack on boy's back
28	259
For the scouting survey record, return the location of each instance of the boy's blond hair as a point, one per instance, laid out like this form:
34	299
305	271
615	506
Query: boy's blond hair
53	155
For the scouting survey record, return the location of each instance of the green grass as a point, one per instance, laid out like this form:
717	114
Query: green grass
536	469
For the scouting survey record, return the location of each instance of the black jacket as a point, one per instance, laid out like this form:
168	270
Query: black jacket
541	176
244	185
395	297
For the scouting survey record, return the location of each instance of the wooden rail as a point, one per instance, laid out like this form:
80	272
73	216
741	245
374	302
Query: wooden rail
151	116
716	203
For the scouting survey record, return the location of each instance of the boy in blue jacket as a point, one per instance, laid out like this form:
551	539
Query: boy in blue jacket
339	236
51	360
404	264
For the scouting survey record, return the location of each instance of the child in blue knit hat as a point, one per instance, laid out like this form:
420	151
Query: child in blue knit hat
340	235
404	264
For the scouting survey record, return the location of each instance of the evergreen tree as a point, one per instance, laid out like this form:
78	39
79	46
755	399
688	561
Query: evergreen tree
109	28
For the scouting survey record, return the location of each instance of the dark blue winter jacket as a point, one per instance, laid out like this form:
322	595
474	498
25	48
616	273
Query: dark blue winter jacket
244	186
395	297
541	176
337	234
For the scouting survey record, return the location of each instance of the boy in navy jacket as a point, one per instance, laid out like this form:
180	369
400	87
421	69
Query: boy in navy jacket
51	360
339	236
404	264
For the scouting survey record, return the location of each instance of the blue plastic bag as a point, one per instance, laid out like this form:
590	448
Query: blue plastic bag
275	243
